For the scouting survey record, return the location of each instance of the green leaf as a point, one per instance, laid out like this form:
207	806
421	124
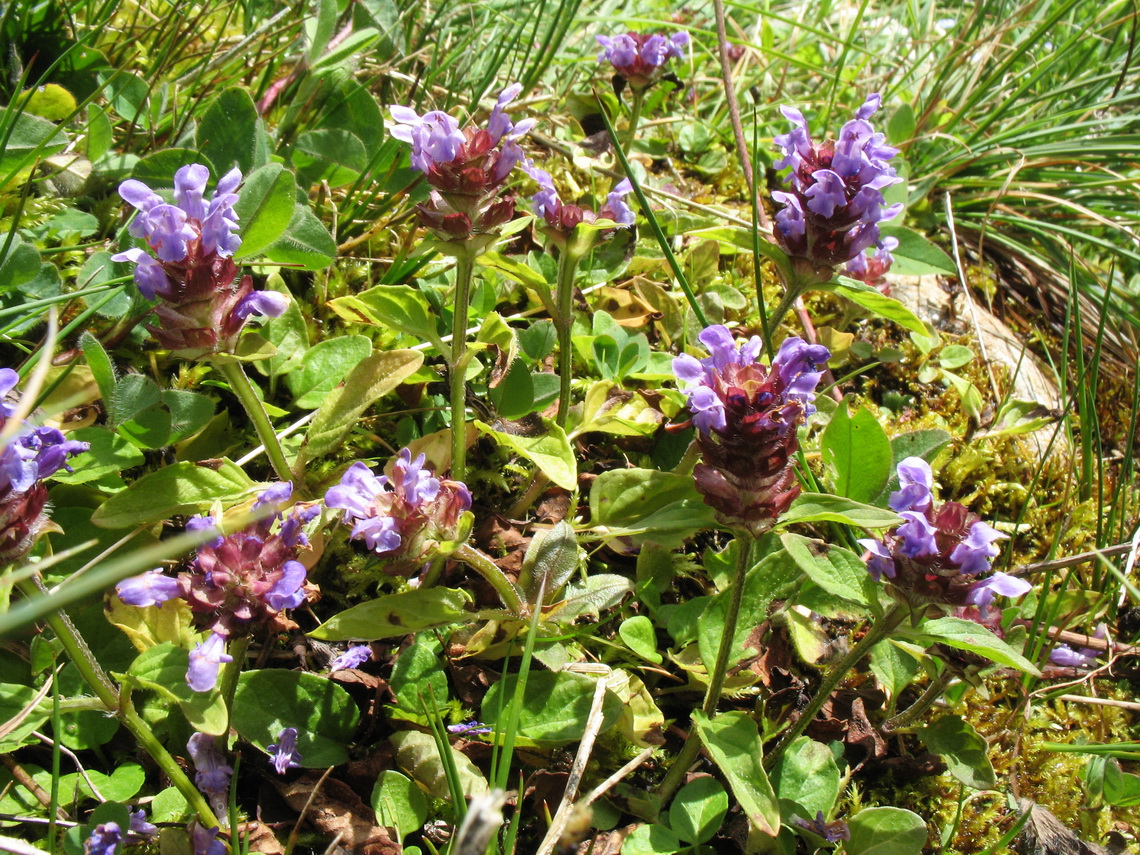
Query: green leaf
651	839
893	666
399	803
109	453
324	366
99	363
230	133
516	270
13	699
397	307
331	155
369	381
30	139
859	453
549	451
878	303
550	560
967	635
306	243
555	706
662	506
835	569
807	777
395	615
820	507
132	395
886	831
599	592
157	170
268	701
163	669
179	488
264	208
955	741
189	412
319	28
640	637
20	265
418	680
916	256
698	810
418	755
1118	787
733	742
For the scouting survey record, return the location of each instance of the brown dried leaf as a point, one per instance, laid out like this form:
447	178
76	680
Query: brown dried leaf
338	810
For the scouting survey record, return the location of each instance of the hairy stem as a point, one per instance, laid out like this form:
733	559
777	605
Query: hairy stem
880	629
692	745
457	366
568	261
637	102
239	383
490	571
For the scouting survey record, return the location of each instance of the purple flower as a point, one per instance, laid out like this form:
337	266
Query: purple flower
982	593
918	535
746	414
205	841
834	205
470	727
466	169
832	832
212	773
284	753
974	553
402	517
140	827
205	660
561	218
1083	657
152	588
104	840
354	657
639	58
288	591
915	482
203	301
879	561
201	523
9	379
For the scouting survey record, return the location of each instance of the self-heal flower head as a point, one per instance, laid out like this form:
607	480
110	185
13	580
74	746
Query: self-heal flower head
203	302
26	459
831	211
284	753
938	555
104	840
746	414
466	169
639	58
561	218
213	773
403	517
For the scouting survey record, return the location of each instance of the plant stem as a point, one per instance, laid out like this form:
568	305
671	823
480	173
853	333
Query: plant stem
118	700
232	670
568	261
490	571
880	629
924	702
235	375
692	745
792	292
457	366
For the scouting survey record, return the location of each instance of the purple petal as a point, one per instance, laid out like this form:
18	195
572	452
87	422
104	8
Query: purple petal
354	657
150	589
916	481
288	592
205	660
271	304
284	753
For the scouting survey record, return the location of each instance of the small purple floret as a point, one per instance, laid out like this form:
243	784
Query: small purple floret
354	657
212	773
974	553
152	588
915	482
284	753
205	660
104	840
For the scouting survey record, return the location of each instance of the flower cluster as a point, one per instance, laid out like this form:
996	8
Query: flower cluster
402	518
26	459
938	555
746	414
249	577
466	169
202	303
639	58
561	218
834	205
